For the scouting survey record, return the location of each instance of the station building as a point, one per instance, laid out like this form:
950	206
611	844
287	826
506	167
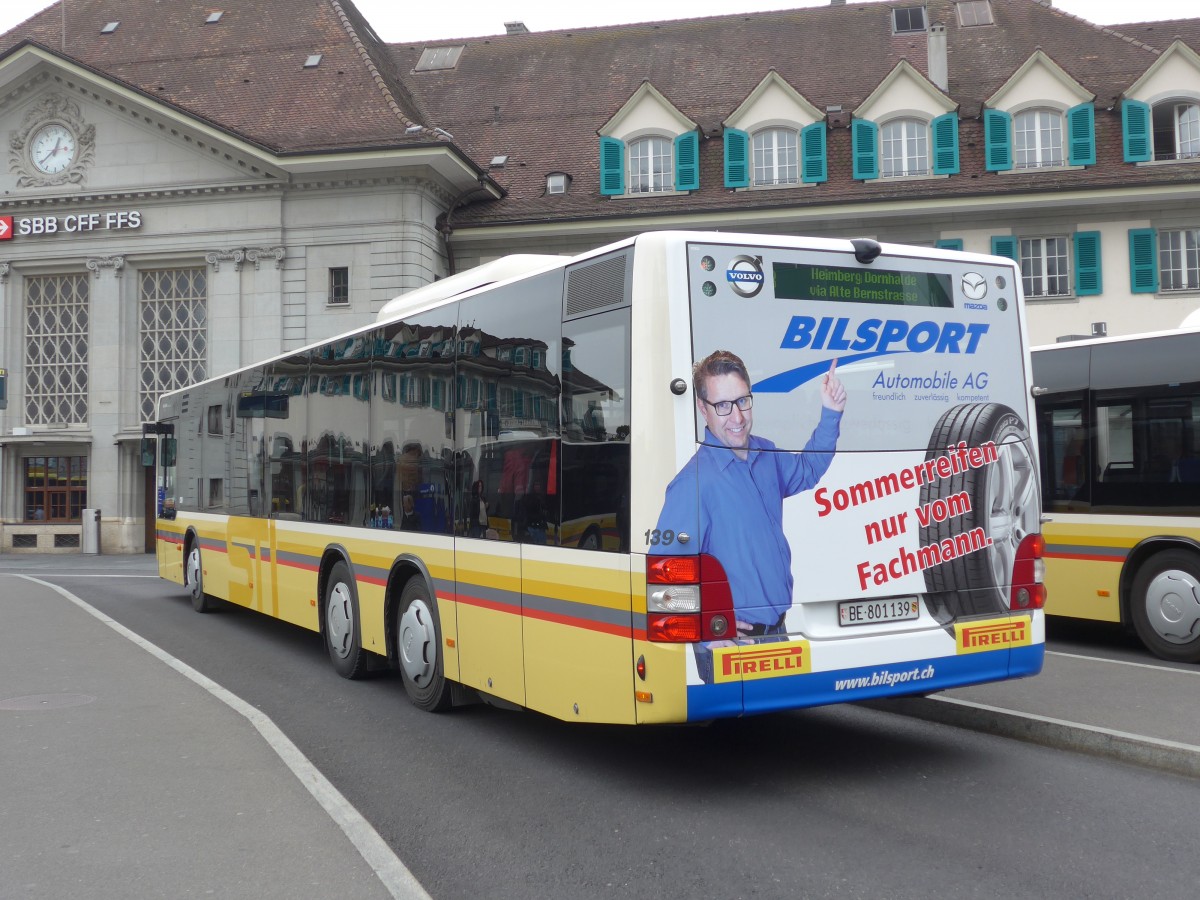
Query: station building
189	188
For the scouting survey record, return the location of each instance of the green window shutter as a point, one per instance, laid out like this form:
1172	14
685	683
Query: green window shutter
687	162
1088	280
864	138
997	139
1081	135
737	158
945	144
612	166
1005	245
814	169
950	244
1135	129
1143	264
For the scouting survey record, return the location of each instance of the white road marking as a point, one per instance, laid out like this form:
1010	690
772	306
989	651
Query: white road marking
1122	662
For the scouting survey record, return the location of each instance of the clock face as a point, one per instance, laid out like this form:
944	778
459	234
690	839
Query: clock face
52	149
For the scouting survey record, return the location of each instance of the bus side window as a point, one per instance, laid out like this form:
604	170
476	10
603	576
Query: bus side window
595	459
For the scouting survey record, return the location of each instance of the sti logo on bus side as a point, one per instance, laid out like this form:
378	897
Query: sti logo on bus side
879	336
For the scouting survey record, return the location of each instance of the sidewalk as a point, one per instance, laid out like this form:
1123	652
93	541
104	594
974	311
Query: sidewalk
1140	713
122	778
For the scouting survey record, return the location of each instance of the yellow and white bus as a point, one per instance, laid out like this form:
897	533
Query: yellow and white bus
682	477
1119	420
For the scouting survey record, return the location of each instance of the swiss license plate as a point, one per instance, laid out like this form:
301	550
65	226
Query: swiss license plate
869	612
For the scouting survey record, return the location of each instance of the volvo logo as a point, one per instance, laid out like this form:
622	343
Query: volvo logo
974	286
745	275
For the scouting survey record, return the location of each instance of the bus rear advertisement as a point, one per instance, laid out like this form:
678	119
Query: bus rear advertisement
682	477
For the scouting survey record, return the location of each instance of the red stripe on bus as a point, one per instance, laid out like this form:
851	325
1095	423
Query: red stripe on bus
1085	556
555	618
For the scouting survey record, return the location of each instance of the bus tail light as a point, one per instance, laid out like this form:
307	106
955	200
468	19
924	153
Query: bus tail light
1029	571
687	599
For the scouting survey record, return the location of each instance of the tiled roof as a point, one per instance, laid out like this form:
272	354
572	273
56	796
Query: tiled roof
246	72
555	89
539	98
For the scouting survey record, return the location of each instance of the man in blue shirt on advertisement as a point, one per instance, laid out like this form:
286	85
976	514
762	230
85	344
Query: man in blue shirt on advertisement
729	496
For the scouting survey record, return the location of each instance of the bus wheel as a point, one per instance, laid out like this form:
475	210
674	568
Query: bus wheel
1003	502
341	623
194	576
418	645
1165	605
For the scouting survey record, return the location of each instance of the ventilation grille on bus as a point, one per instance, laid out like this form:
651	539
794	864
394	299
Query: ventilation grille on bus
594	287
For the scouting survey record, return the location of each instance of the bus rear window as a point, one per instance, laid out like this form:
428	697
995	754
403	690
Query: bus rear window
843	284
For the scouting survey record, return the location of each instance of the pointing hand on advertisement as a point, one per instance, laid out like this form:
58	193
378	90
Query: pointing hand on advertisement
833	392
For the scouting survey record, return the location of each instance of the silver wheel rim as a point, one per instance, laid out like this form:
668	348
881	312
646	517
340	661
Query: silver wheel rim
1013	506
339	620
591	542
418	643
194	574
1173	606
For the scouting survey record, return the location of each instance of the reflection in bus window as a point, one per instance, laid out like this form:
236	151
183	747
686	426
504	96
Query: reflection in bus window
595	425
506	402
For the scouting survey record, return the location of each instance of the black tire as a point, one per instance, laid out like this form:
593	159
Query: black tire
1004	502
1164	604
193	577
340	623
419	648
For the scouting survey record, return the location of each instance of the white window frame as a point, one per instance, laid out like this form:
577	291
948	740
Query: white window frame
1187	130
1178	260
651	162
1045	266
1038	144
903	148
776	156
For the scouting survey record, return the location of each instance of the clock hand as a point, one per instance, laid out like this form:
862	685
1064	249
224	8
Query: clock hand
53	152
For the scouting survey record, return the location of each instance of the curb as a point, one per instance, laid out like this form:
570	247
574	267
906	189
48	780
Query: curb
1141	750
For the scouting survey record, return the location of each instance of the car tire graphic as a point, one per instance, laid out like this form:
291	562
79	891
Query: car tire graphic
1003	501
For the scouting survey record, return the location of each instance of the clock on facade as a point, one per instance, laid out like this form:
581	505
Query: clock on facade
52	149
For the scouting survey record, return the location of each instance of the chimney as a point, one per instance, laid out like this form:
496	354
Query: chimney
837	2
516	28
939	72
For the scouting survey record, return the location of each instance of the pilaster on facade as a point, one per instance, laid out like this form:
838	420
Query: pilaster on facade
5	268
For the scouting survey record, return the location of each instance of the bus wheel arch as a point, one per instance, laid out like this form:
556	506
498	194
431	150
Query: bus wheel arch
1160	598
193	573
415	638
339	615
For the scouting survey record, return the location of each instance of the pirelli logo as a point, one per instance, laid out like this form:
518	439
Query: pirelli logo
993	634
761	661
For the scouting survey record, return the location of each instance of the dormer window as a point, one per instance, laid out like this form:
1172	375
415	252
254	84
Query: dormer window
556	183
904	146
648	147
650	166
775	156
1176	130
1038	139
908	19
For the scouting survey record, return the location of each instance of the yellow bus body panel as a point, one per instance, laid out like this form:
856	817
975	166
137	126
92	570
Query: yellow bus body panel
490	643
1086	557
578	631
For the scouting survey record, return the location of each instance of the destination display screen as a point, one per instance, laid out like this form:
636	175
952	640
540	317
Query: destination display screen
842	284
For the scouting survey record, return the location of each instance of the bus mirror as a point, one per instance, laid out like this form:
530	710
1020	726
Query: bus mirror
168	452
147	451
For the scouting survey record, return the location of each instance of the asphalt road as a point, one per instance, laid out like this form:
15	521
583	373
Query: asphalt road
833	802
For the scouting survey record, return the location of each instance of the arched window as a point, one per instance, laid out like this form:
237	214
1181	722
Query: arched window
775	156
1037	138
1176	130
651	162
904	146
